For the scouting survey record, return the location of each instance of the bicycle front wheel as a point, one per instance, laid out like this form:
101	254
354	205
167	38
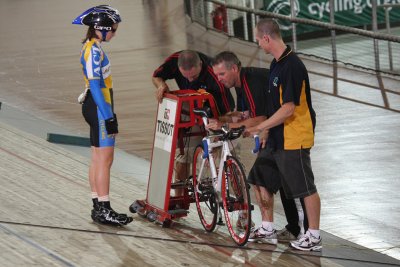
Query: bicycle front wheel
206	202
236	201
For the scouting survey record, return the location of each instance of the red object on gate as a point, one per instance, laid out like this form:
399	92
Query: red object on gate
219	17
160	205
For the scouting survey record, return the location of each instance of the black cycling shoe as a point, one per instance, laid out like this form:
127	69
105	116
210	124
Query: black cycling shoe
104	214
96	207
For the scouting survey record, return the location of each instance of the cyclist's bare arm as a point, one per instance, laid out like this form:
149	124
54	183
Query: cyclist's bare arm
231	116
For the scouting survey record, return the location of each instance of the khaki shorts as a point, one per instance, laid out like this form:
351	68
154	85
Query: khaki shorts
190	144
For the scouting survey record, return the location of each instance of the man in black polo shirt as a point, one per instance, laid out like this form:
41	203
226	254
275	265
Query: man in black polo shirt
251	85
191	70
290	126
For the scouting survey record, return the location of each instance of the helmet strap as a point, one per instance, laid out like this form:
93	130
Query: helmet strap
104	34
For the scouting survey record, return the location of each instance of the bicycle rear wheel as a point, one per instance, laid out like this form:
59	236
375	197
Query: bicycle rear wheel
206	202
236	201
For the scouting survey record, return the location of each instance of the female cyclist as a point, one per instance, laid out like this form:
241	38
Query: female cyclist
97	108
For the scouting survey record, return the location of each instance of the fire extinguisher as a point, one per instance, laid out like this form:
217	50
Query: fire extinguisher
220	19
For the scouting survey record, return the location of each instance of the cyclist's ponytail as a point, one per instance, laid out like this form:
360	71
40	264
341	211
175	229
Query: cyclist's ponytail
91	33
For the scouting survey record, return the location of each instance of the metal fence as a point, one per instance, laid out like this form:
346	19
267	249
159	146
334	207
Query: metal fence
375	49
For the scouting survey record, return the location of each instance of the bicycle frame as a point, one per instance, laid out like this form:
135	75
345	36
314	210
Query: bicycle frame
208	152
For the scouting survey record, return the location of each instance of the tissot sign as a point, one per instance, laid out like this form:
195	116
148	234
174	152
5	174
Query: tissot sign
165	124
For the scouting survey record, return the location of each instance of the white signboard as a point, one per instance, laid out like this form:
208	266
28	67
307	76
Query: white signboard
165	124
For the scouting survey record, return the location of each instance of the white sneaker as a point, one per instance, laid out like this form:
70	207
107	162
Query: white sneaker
307	242
263	235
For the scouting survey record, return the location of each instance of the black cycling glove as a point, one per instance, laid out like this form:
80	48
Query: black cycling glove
112	125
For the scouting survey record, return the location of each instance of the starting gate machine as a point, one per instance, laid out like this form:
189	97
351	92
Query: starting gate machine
174	116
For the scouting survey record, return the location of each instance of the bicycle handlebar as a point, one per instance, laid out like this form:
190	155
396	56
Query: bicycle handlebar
257	144
226	134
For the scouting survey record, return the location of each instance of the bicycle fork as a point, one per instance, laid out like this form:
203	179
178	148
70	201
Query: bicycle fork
216	176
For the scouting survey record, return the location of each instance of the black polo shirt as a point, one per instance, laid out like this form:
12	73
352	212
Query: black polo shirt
253	92
289	83
206	80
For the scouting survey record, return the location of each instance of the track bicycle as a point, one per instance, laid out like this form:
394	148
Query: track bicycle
224	186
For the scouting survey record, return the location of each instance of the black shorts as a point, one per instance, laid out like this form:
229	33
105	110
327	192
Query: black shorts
265	173
290	169
92	115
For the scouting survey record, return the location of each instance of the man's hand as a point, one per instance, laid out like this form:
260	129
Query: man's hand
263	135
251	131
214	124
264	138
160	91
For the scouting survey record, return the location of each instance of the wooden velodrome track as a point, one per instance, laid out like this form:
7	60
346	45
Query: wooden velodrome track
45	205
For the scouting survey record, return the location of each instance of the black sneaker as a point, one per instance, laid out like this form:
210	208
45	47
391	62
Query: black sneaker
106	215
106	204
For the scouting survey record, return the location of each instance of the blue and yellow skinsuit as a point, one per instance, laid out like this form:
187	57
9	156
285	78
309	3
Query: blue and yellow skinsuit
98	105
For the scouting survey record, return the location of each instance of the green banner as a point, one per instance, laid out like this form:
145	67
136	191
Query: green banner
353	13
